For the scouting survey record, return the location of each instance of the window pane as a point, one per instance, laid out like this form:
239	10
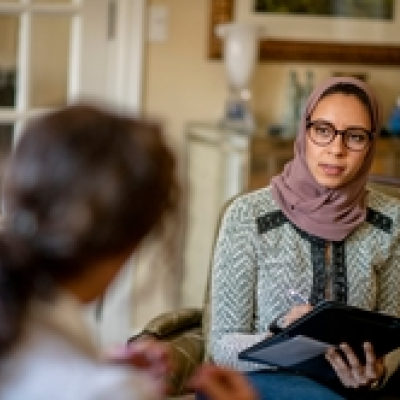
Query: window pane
6	139
50	60
8	59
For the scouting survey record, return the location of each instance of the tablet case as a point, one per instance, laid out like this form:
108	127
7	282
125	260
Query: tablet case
301	346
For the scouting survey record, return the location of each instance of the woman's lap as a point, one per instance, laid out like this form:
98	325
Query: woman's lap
285	386
272	385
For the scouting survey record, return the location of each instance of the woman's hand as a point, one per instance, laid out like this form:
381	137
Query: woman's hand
219	383
349	369
295	313
148	355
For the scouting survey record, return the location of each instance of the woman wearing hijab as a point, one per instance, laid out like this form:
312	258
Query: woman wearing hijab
316	229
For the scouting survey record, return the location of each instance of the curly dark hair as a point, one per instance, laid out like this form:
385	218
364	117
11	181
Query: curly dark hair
84	183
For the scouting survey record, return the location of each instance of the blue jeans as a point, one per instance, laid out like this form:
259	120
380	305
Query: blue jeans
286	386
272	385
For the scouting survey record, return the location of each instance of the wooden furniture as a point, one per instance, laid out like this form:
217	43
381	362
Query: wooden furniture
269	155
267	158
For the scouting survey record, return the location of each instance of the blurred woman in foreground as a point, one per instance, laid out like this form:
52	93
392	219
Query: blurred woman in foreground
83	188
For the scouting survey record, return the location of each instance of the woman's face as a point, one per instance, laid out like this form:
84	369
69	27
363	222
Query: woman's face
96	276
334	165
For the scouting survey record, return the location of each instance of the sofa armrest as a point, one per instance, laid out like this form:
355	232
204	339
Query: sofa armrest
181	330
187	353
170	324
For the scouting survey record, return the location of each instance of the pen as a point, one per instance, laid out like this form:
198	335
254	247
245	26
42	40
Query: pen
297	297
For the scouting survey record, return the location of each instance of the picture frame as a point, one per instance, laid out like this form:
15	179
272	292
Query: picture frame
275	49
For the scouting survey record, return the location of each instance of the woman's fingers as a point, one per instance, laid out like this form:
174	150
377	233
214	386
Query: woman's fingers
374	367
296	312
356	370
350	370
147	354
340	366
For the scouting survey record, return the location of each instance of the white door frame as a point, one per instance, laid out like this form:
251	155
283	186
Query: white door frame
129	64
112	53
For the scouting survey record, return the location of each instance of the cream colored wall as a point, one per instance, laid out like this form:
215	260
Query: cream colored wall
182	85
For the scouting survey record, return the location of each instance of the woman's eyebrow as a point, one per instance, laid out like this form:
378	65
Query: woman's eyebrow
331	123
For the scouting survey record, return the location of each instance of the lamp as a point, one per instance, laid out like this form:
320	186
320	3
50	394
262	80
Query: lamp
240	51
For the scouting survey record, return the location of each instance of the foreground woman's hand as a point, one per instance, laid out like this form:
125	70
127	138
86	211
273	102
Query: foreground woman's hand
148	355
219	383
349	369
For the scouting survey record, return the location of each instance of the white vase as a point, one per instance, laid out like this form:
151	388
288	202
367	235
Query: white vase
240	52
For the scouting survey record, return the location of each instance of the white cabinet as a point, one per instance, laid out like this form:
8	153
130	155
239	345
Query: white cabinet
217	169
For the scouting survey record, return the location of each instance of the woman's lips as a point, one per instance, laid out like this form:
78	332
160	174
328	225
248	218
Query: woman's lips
332	170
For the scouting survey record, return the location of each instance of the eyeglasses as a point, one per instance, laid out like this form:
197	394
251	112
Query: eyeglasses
323	133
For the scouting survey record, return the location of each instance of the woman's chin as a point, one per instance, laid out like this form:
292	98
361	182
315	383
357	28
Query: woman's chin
331	182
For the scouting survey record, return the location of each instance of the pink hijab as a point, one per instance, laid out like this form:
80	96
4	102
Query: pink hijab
331	214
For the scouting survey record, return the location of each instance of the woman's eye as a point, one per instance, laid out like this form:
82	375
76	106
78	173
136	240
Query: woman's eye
357	137
323	130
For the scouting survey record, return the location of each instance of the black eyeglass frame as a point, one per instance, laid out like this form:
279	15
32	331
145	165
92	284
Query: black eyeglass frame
310	124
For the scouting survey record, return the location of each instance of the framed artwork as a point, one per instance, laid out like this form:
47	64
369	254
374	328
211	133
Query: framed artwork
349	36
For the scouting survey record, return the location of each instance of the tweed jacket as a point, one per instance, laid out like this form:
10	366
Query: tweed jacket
260	255
55	358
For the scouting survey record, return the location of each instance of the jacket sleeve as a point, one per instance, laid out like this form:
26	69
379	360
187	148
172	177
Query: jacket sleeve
388	281
233	288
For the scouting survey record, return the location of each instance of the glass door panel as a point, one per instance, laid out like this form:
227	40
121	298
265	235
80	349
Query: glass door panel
9	27
6	143
49	60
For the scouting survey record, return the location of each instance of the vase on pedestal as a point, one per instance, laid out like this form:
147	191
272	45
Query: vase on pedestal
240	53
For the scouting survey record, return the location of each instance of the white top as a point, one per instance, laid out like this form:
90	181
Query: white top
55	358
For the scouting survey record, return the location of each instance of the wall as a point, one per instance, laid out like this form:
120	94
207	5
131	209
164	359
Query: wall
181	84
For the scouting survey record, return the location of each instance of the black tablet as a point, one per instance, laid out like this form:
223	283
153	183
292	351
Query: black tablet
302	345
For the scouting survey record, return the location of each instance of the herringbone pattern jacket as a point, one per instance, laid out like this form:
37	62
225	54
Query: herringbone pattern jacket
260	256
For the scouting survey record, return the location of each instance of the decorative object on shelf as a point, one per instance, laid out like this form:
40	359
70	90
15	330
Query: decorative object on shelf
296	96
240	54
306	89
292	106
393	124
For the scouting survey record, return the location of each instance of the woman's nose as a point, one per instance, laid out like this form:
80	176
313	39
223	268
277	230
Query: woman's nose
337	146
